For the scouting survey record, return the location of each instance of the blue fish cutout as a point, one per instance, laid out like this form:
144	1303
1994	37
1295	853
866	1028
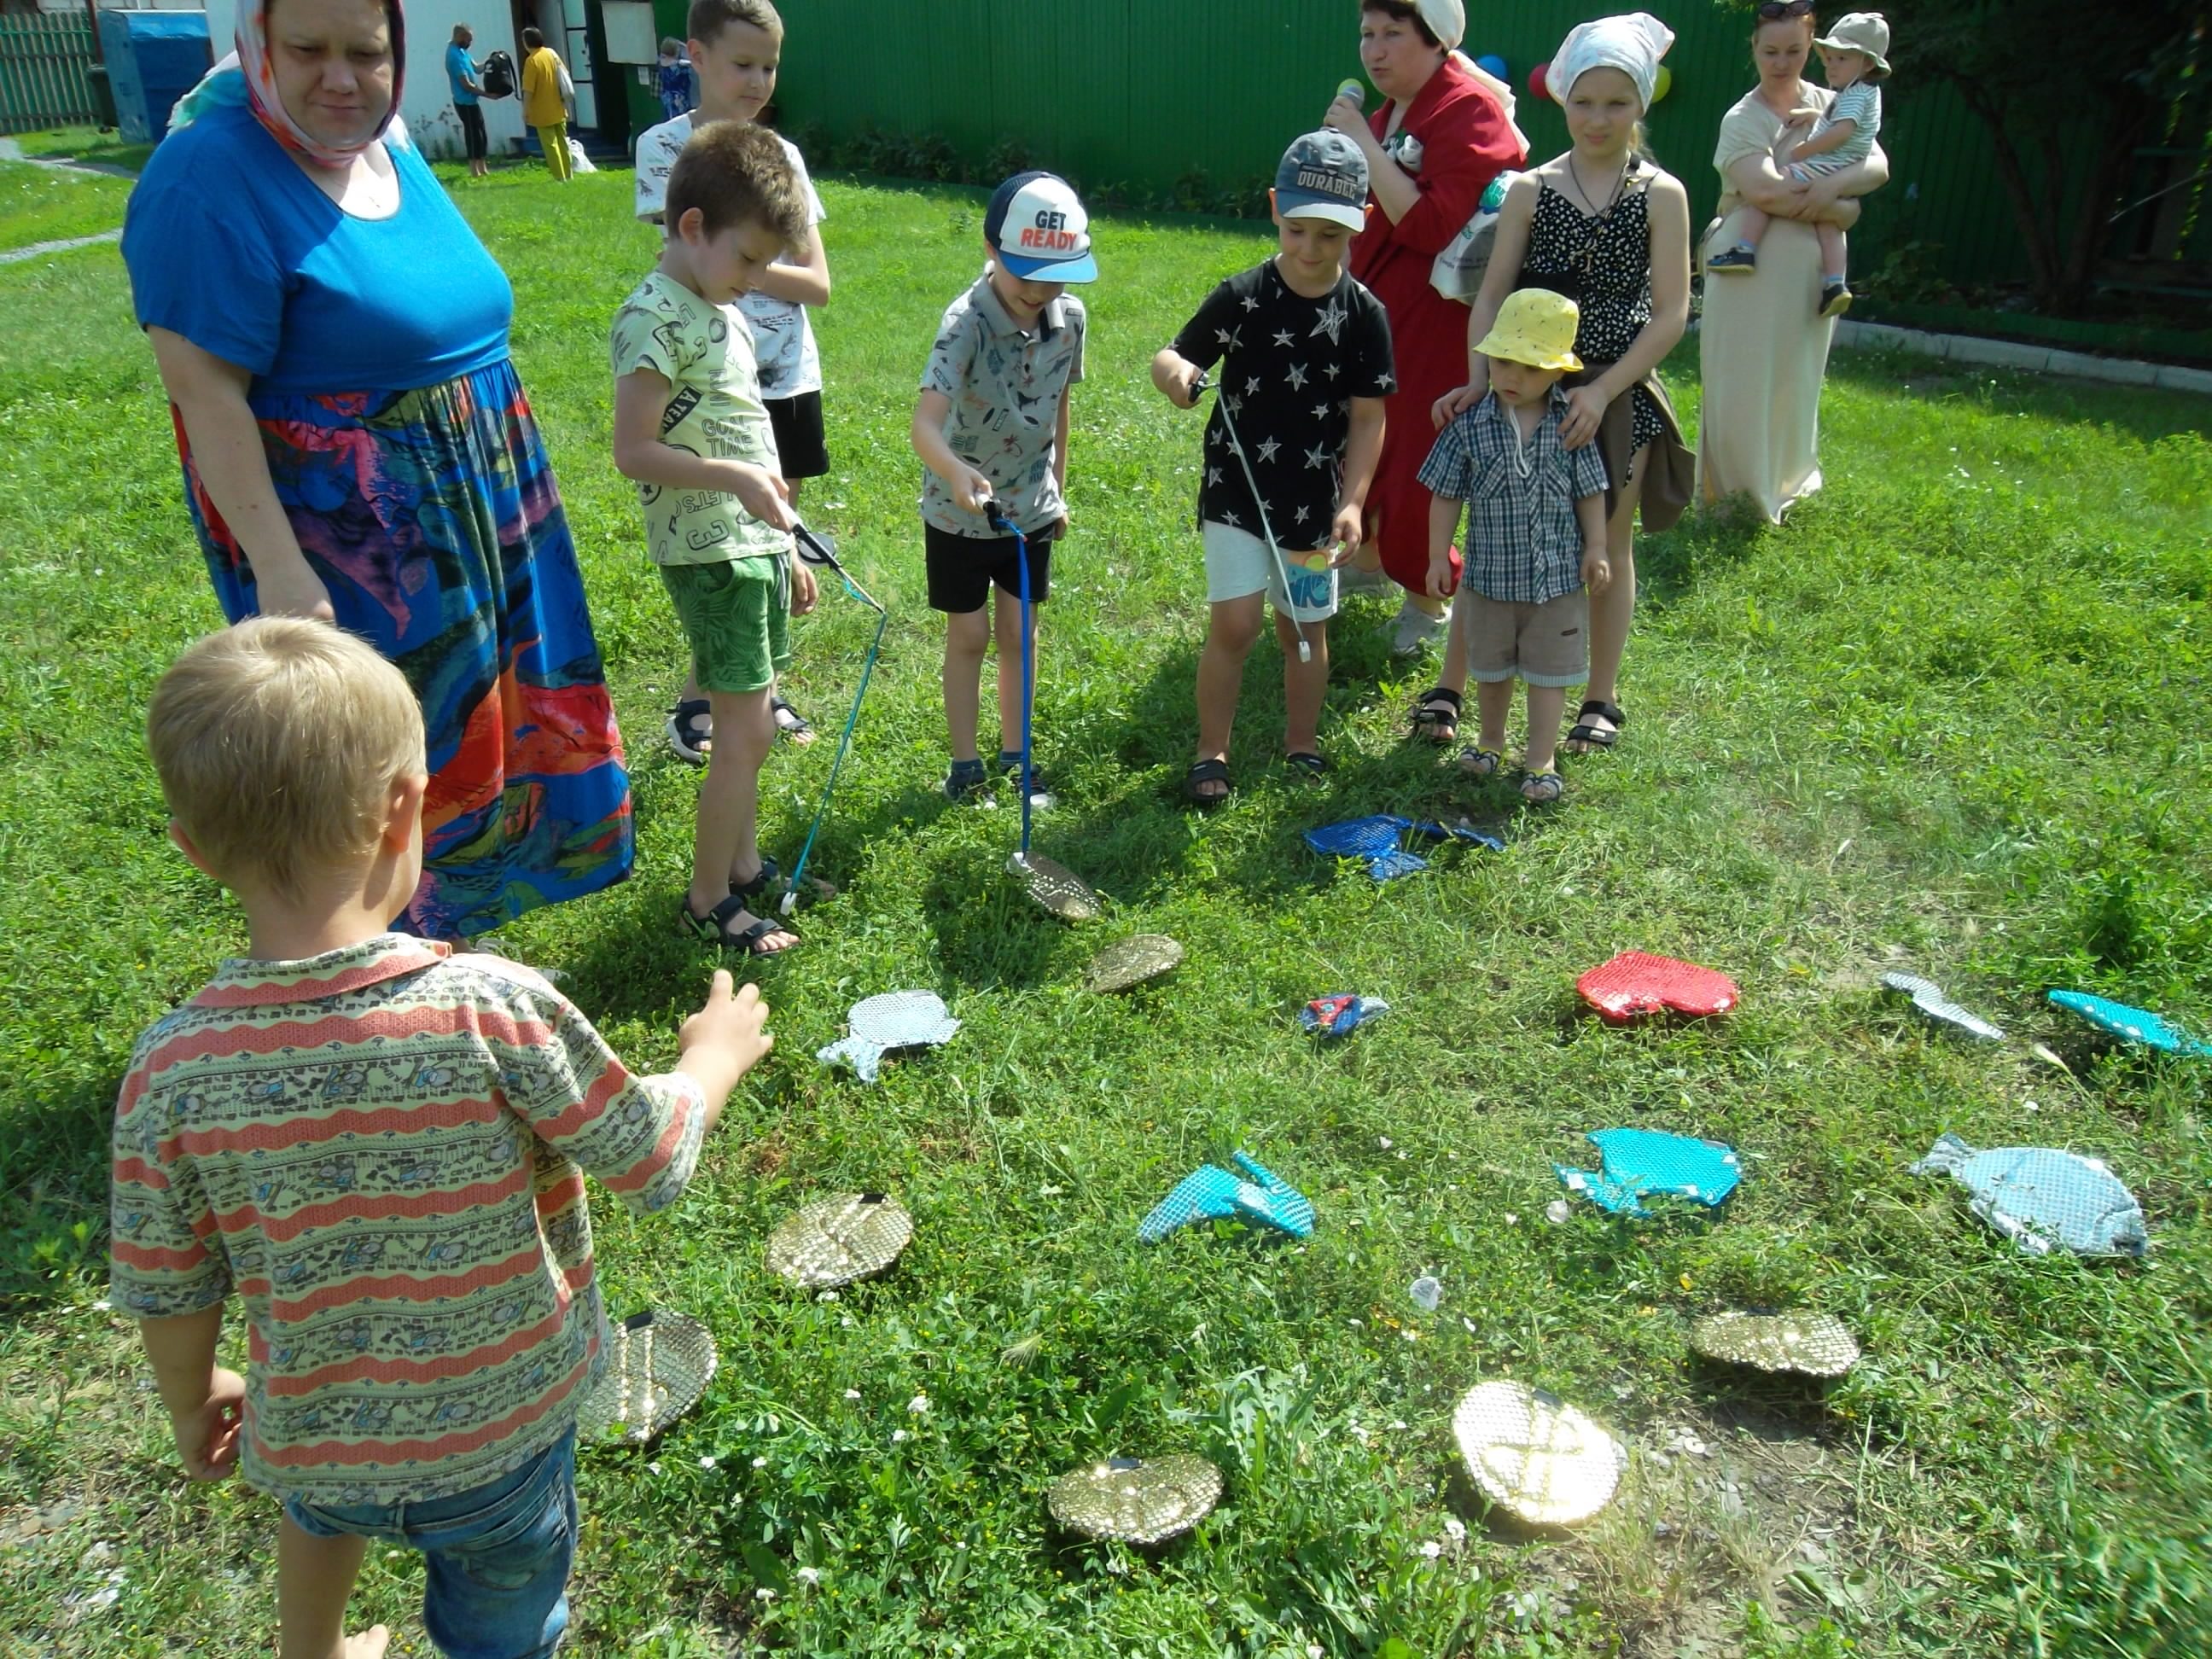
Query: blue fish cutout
2043	1198
2136	1024
1378	841
1641	1164
1210	1193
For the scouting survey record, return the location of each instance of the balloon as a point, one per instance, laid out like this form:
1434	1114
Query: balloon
1660	87
1490	63
1536	81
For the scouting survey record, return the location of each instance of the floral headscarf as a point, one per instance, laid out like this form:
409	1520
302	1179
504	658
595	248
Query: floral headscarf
247	77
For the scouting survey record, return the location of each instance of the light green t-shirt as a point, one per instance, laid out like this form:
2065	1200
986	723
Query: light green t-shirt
714	409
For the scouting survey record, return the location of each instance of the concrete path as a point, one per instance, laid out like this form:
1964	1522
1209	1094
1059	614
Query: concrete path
16	255
12	151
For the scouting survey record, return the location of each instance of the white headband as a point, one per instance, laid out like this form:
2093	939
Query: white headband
1632	44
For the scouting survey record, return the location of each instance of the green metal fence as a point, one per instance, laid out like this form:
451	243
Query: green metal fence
1136	94
44	62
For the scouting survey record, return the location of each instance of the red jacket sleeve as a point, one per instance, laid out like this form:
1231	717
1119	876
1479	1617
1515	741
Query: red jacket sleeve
1465	141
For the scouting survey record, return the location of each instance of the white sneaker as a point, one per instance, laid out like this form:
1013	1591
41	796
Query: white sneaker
1416	628
1353	579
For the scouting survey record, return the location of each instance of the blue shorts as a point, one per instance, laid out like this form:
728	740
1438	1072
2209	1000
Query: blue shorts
496	1558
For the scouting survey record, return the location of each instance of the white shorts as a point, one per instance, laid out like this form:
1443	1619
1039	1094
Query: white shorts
1238	564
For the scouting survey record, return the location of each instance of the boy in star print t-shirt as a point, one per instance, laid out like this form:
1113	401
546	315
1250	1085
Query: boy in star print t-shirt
1304	357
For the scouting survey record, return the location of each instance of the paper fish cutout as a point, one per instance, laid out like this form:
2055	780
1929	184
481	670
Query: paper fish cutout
1927	997
2135	1024
1813	1344
848	1236
1129	963
897	1019
1633	983
1535	1455
1138	1500
1341	1014
1641	1164
657	1368
2044	1200
1210	1193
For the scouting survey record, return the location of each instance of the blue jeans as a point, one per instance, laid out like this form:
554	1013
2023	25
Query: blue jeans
497	1558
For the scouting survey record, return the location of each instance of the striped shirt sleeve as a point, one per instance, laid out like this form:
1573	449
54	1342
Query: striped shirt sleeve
165	1256
638	1137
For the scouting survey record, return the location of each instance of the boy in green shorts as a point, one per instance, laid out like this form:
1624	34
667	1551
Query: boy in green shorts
691	428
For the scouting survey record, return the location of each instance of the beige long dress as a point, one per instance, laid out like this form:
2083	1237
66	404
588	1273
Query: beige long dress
1763	347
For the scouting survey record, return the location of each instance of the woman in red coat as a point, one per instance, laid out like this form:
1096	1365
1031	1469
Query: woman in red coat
1443	134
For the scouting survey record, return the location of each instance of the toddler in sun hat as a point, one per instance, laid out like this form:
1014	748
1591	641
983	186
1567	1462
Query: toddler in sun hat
991	426
1303	351
1535	533
1855	57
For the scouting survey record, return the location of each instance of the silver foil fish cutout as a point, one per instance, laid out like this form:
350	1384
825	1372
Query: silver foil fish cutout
897	1019
1927	997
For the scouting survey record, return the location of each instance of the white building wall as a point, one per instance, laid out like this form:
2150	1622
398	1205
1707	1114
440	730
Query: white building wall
425	101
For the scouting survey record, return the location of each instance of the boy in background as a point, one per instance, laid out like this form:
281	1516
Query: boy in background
735	48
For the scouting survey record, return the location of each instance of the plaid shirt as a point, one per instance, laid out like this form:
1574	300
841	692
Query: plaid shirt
1522	545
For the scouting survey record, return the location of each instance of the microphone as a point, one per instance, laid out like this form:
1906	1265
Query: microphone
1354	89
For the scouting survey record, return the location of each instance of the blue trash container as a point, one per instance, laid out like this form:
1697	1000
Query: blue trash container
154	58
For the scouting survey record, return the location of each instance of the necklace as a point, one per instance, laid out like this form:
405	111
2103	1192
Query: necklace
1590	201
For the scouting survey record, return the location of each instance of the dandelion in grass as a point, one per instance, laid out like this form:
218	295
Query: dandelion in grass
760	1462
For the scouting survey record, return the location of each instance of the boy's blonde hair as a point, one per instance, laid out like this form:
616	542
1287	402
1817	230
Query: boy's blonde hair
708	18
278	742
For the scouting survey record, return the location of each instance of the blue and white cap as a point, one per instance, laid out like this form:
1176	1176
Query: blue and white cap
1322	176
1038	230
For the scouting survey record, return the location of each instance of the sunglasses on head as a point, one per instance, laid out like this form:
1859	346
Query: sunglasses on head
1774	11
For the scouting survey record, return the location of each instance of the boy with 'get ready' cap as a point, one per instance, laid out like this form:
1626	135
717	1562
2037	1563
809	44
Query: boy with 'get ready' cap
1304	358
991	426
1536	534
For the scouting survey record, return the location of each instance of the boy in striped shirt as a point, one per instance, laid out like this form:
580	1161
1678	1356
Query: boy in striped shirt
376	1144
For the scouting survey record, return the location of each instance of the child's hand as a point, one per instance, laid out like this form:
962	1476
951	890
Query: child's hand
207	1437
1439	583
1597	569
1348	531
971	491
726	1038
1454	404
1182	387
805	590
763	493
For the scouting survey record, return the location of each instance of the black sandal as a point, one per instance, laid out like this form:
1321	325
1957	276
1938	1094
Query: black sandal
789	722
1437	725
714	926
1207	771
1305	761
691	730
765	879
1588	735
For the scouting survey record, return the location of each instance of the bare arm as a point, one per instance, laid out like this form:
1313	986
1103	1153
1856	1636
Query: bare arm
1395	192
1174	375
1443	519
205	1402
1832	138
1059	453
969	488
1756	179
641	400
800	282
1590	518
1362	450
209	395
725	1040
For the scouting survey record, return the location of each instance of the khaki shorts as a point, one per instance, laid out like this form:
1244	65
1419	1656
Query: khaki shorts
1545	644
737	617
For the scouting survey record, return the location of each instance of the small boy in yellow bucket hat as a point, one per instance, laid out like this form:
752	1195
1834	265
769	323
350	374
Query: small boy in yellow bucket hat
1535	535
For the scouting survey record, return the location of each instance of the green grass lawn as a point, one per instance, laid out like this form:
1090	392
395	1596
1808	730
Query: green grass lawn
49	204
1951	718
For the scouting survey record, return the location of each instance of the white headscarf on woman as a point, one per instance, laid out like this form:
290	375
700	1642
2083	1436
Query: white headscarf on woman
1447	21
1634	44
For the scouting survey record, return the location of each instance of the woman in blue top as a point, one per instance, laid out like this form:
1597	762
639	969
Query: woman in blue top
356	445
